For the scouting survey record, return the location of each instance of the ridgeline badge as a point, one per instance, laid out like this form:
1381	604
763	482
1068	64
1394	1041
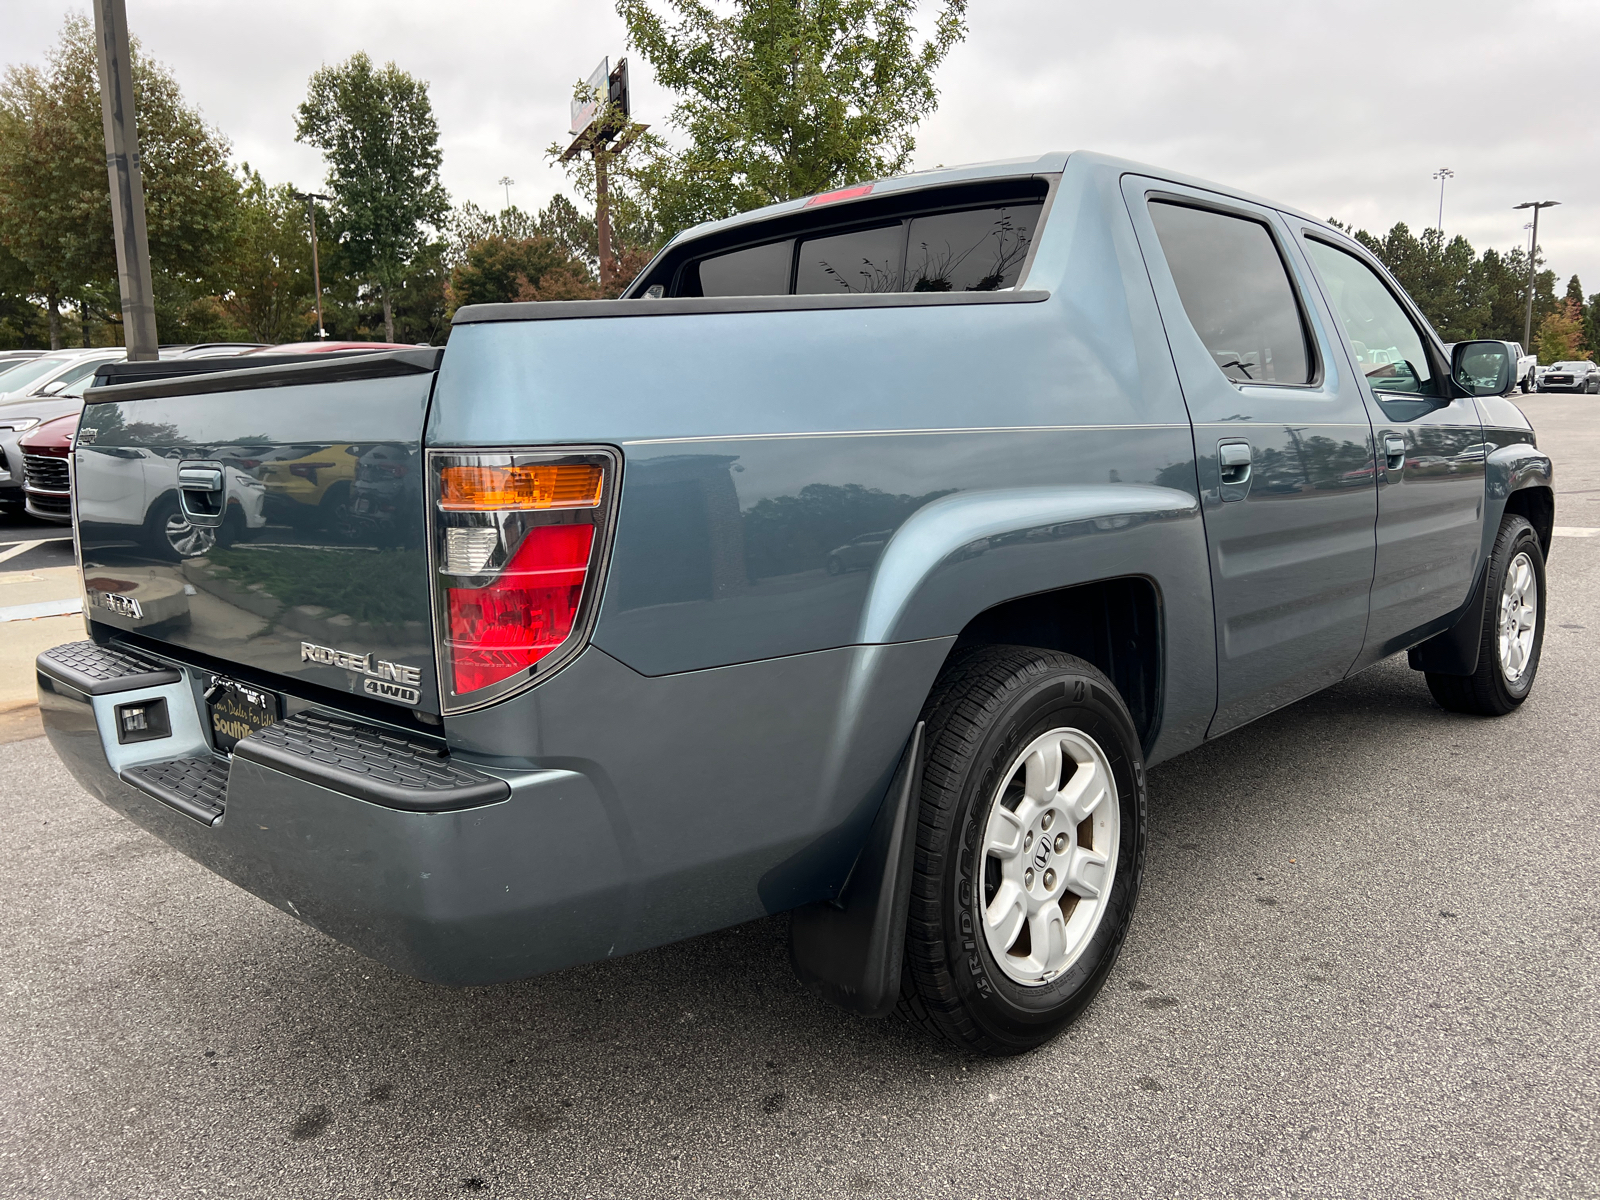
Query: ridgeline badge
385	680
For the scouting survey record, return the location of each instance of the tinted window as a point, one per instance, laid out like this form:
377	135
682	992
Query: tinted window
1388	348
977	251
1236	292
867	260
757	271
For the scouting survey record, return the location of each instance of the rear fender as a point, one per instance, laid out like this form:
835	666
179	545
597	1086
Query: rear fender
970	551
966	553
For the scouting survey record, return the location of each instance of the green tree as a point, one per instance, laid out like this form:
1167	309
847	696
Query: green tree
497	269
1591	323
1561	334
782	98
376	130
55	203
22	322
268	275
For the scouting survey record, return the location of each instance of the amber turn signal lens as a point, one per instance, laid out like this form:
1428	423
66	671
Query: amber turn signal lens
538	485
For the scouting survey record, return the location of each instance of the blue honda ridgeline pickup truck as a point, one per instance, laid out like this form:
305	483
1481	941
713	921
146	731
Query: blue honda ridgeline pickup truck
857	563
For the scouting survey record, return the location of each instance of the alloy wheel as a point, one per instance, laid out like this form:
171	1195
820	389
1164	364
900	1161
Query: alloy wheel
1519	617
1049	854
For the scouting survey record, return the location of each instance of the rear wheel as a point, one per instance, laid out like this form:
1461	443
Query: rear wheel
1513	629
1030	847
171	535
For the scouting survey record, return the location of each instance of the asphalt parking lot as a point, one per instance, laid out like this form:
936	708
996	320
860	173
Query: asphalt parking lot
1366	963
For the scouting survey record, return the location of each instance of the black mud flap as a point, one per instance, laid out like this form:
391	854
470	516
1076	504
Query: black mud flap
1455	651
848	951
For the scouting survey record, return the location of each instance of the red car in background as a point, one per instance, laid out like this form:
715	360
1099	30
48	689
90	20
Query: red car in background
47	469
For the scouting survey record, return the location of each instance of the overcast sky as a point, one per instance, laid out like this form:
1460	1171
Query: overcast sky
1342	109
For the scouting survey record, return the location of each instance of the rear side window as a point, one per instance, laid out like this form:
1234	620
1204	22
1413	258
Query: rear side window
1236	292
969	250
757	271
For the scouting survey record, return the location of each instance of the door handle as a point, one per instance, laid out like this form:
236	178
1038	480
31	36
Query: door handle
1233	465
1394	450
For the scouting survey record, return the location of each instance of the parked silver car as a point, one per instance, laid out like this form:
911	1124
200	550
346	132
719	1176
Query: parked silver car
41	390
1578	376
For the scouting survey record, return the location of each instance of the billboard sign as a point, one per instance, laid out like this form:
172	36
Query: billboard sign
586	105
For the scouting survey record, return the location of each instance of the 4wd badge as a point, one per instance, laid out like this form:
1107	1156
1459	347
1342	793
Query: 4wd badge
385	680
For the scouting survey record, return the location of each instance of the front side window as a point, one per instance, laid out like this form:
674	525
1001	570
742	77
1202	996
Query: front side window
1236	292
1388	349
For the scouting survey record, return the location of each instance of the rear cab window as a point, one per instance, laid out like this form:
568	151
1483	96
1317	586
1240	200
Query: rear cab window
957	238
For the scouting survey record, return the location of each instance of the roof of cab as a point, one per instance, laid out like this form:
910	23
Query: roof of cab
1051	163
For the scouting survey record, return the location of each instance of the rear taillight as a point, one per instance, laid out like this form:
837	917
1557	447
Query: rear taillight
518	538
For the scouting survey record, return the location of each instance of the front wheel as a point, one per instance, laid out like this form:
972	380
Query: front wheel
1030	847
1513	629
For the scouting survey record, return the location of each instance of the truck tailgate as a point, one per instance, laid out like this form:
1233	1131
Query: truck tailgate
272	520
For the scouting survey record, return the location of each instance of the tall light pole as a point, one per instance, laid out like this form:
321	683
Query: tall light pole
316	271
506	181
1441	175
127	184
1536	205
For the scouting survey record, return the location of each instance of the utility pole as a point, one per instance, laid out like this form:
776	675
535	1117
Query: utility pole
127	185
506	181
1441	175
316	272
1536	205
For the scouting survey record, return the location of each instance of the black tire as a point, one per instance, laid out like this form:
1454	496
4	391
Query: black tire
1487	692
990	703
1527	384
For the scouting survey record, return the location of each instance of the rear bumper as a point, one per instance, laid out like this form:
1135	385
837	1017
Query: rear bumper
474	895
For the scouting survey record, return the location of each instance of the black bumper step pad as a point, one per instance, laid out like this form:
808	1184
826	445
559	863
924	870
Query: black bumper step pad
370	764
196	787
98	670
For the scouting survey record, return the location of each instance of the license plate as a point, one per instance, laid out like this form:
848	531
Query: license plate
237	710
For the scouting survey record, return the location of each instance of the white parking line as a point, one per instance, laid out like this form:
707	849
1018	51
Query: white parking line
45	608
24	547
1574	531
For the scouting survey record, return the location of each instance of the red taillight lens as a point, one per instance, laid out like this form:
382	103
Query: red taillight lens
504	628
515	536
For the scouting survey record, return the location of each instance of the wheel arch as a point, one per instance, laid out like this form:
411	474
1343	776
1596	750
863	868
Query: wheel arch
1113	624
1080	569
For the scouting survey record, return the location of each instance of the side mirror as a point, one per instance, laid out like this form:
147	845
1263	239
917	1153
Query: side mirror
51	388
1483	368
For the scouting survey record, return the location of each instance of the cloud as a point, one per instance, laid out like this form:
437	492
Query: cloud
1341	110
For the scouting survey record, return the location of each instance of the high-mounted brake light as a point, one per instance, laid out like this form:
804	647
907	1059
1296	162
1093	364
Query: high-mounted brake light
518	537
849	193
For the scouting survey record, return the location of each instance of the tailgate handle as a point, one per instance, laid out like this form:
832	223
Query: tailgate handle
200	494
